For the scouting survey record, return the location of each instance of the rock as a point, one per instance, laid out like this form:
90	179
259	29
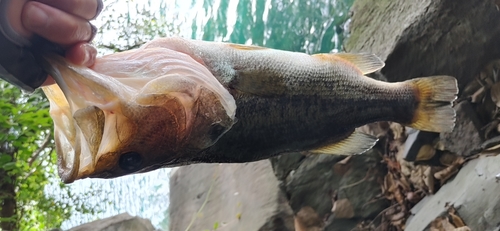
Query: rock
320	181
474	193
240	197
120	222
428	37
467	128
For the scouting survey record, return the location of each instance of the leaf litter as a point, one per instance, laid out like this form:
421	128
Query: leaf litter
408	182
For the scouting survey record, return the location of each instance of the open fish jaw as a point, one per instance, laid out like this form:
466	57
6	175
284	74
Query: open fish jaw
133	110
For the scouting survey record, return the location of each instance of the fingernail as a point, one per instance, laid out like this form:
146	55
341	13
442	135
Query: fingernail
90	54
37	17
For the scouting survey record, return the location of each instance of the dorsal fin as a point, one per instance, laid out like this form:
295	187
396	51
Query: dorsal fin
367	63
246	47
356	143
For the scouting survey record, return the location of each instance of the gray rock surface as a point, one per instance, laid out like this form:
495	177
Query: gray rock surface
475	193
240	197
467	135
310	183
120	222
427	37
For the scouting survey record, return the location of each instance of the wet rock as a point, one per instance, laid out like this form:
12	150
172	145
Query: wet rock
240	197
428	37
321	184
121	222
467	135
473	192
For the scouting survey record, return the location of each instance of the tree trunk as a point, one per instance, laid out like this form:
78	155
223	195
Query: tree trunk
7	196
8	199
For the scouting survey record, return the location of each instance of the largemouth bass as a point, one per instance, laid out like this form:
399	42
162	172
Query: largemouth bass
176	102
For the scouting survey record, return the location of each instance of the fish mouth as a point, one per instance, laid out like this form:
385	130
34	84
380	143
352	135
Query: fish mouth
133	112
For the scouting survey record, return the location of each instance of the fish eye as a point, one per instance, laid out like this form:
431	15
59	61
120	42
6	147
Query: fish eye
130	161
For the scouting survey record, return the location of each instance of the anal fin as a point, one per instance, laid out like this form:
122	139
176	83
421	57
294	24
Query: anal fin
356	143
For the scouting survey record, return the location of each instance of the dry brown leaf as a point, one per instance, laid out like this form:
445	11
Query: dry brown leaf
392	165
449	171
455	219
490	127
464	228
426	152
440	145
377	129
343	209
473	86
488	109
421	177
398	131
478	96
429	179
448	158
403	182
406	168
308	220
495	93
414	197
340	168
442	224
399	197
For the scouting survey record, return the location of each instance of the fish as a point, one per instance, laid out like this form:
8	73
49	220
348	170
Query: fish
176	101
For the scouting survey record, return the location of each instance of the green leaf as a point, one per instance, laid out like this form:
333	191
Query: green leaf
5	159
9	166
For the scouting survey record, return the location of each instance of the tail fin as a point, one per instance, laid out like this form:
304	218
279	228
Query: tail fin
435	96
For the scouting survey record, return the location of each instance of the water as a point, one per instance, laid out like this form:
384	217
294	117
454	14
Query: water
144	195
309	26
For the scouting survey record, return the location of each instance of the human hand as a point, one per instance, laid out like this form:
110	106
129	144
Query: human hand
63	22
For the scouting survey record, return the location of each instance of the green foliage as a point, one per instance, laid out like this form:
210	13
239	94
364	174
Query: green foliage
27	163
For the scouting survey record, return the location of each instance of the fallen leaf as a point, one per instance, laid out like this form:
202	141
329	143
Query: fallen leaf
449	171
478	96
442	224
398	131
307	219
455	219
426	152
495	93
343	209
464	228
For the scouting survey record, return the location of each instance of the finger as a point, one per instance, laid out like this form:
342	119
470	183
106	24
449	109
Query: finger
55	25
87	9
49	81
82	54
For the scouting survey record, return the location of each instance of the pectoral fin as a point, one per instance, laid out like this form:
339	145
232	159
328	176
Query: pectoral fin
356	143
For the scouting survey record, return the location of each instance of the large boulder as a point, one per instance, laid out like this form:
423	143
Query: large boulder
120	222
474	193
340	191
243	197
427	37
